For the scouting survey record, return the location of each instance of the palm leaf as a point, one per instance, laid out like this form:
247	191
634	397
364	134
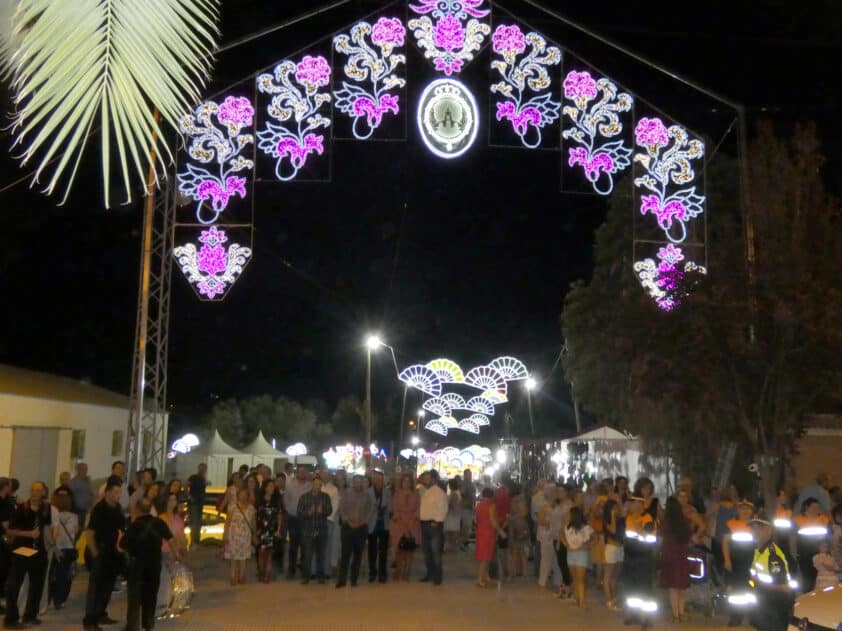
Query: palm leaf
108	64
7	10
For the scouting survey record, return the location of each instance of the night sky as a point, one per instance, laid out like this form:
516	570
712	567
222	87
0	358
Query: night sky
467	259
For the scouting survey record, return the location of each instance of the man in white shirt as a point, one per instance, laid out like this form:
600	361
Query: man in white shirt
330	488
433	512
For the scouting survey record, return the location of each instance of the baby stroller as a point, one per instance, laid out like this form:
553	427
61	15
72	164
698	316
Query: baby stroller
707	585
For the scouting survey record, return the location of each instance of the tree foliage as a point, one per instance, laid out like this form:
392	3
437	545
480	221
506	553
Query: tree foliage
754	349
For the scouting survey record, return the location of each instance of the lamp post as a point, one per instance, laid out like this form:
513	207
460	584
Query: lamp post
531	385
421	415
373	342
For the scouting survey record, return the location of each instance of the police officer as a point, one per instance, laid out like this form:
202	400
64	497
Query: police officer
773	586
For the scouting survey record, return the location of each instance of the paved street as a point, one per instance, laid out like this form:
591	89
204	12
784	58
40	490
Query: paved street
457	604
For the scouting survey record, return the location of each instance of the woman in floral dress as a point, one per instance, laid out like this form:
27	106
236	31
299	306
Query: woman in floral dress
240	535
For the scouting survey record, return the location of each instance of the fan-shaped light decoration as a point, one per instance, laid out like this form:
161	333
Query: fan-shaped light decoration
455	401
495	397
437	406
480	419
528	102
450	452
672	207
437	427
212	269
467	425
296	109
81	64
592	125
373	73
449	422
447	370
480	404
511	368
421	378
486	378
221	143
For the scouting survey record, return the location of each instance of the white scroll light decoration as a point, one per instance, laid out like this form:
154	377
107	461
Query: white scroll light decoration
448	118
449	31
593	125
213	267
527	103
421	378
455	401
673	201
511	368
488	379
220	143
372	72
296	108
447	370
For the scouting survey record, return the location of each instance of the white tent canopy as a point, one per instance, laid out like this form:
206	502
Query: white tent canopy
220	457
262	452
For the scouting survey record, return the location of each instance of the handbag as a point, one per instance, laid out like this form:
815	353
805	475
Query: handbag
68	554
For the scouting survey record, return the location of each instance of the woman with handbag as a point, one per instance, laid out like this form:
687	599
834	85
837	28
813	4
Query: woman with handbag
405	534
61	569
240	536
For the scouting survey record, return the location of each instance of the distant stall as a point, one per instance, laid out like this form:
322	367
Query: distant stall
262	453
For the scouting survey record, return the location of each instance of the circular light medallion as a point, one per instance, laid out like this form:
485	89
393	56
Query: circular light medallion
448	118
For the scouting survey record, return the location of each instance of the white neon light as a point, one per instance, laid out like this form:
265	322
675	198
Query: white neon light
455	401
745	599
642	604
812	531
495	397
448	371
511	368
438	406
435	113
742	537
701	564
467	425
185	444
449	422
793	584
437	427
407	453
480	419
296	449
782	523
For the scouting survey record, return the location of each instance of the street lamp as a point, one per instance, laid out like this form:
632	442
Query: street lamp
531	384
372	342
421	415
415	440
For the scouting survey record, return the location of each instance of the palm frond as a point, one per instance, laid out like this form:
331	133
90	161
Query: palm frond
83	64
7	11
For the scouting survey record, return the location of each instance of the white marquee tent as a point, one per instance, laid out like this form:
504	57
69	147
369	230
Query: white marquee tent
262	452
220	457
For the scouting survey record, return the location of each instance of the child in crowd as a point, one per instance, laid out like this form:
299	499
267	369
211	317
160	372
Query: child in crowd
826	568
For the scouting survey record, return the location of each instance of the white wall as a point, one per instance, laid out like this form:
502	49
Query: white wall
98	423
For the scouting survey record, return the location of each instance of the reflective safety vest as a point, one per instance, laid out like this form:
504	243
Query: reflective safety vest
641	528
783	519
740	532
812	527
770	568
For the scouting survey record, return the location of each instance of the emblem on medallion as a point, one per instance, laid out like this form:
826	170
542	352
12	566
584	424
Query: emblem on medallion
448	118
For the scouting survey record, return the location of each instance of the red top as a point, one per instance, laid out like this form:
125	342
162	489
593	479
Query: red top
503	503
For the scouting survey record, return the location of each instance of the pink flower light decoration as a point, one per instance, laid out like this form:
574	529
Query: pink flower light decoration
667	213
448	33
651	133
580	86
592	165
388	31
520	120
236	111
212	259
365	106
213	236
508	40
670	254
314	71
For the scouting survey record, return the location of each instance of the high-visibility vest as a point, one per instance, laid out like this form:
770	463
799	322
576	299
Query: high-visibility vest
783	519
740	532
641	528
811	527
769	567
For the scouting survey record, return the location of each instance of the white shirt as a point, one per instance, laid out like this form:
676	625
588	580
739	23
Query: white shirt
576	539
333	493
434	504
295	489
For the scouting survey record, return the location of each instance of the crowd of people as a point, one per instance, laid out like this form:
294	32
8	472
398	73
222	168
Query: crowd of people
319	525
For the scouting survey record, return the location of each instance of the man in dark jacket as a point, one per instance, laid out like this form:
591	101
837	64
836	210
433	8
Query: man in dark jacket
314	508
143	543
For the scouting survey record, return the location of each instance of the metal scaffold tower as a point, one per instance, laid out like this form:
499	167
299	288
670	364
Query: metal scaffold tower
147	436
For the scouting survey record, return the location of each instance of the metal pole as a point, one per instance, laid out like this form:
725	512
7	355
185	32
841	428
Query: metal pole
368	400
576	414
529	405
403	417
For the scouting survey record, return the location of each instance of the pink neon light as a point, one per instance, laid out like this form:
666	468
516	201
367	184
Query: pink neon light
448	33
580	86
236	111
667	213
365	106
313	143
220	196
592	166
651	132
388	31
313	70
520	120
508	40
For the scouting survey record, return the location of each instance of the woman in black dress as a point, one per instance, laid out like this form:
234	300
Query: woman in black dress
269	504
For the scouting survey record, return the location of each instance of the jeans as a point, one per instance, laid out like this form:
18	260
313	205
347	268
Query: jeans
294	542
195	523
353	540
61	578
561	557
143	583
432	538
104	569
327	545
36	567
378	551
310	544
